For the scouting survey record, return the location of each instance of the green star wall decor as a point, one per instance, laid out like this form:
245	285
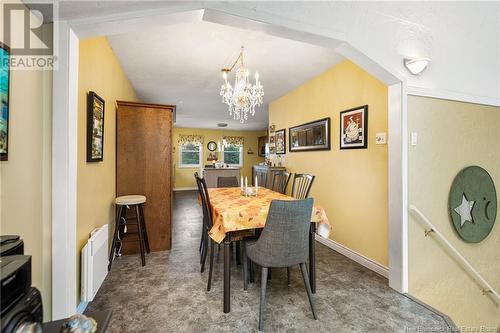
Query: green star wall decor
473	204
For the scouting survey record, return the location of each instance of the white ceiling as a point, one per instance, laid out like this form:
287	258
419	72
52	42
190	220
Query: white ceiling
180	64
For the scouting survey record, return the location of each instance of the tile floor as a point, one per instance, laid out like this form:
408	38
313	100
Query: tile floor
169	293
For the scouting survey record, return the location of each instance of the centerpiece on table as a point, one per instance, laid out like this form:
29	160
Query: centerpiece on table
247	191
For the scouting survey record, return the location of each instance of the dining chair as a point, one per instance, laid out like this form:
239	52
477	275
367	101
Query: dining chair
280	181
301	185
209	243
227	181
204	234
283	242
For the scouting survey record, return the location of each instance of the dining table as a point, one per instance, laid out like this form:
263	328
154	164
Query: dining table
234	213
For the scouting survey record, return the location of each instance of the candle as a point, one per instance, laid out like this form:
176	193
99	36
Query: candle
241	183
256	185
246	184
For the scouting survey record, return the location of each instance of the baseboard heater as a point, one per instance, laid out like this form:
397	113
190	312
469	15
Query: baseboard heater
94	263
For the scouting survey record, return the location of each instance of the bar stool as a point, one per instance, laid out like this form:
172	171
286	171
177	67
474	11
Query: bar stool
125	203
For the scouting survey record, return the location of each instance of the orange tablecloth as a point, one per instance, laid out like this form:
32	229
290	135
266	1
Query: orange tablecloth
234	212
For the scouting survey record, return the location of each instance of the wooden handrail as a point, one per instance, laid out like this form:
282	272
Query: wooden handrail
486	288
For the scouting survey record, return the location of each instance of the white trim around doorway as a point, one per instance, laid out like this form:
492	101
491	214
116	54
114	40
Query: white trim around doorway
64	169
65	93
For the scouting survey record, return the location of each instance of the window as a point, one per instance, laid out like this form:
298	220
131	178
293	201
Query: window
190	155
233	155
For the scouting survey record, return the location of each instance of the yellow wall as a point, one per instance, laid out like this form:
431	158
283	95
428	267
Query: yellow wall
184	176
451	136
100	72
351	185
25	179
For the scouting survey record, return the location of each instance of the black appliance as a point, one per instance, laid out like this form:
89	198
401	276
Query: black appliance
20	304
10	245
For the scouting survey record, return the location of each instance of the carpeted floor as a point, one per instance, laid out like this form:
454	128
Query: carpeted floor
169	293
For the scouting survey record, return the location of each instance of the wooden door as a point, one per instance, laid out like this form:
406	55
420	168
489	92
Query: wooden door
143	166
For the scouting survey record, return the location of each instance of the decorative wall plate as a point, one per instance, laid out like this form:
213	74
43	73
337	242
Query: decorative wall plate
473	204
211	146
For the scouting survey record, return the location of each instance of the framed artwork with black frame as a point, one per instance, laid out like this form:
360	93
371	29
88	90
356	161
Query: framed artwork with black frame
95	127
354	128
311	136
280	141
4	99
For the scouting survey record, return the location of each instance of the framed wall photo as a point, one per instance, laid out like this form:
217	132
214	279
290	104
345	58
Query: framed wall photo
354	128
4	99
280	141
310	136
95	127
212	156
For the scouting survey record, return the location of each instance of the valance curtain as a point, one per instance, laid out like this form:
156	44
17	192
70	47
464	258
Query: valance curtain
234	140
192	139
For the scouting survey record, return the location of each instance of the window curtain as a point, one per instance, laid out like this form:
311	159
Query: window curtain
192	139
234	140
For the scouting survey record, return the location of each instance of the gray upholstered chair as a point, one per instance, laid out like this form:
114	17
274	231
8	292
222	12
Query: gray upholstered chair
301	185
280	181
283	242
227	181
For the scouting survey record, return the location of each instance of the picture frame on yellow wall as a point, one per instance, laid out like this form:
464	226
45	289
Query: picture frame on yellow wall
354	128
95	127
280	141
212	156
311	136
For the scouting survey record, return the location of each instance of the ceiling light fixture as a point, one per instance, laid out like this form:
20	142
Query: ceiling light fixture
416	65
243	97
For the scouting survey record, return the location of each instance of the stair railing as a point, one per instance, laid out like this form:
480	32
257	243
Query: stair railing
429	229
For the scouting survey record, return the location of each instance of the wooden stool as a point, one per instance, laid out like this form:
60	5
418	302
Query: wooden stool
129	202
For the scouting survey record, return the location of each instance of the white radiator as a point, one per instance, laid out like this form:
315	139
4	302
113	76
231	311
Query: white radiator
94	263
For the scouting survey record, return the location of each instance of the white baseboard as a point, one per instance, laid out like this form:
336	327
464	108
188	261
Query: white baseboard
353	255
81	307
185	188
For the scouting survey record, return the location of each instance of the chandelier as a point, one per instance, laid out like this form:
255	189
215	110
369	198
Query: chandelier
243	97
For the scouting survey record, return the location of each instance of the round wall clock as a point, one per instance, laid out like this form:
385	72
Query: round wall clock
211	146
473	204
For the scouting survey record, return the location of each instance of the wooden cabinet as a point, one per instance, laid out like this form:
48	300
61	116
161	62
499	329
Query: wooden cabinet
144	166
264	174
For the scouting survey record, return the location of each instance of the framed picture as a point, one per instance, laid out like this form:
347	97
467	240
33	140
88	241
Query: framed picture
212	156
4	99
354	128
281	141
310	136
95	127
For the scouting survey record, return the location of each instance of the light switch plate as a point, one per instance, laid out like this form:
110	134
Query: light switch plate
380	138
413	138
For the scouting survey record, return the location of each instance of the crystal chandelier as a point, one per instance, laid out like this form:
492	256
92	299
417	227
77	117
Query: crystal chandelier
243	97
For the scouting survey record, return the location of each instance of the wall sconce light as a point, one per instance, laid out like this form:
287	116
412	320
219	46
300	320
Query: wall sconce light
416	65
